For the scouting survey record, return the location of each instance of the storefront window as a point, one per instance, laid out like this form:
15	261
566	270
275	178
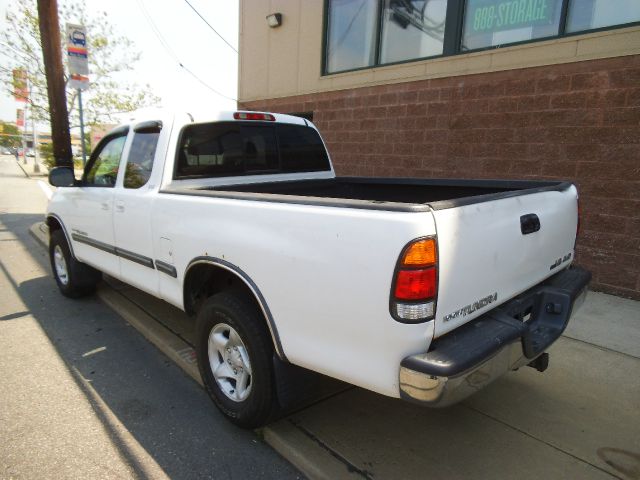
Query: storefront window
352	34
590	14
490	23
370	33
412	29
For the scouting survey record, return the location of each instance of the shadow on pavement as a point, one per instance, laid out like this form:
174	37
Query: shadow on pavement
131	386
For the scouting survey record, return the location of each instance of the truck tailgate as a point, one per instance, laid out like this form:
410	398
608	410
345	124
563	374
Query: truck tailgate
491	251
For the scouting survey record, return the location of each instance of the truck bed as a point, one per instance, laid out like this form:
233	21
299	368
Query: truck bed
404	194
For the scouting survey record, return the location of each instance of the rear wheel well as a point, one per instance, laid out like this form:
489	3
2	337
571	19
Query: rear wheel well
206	279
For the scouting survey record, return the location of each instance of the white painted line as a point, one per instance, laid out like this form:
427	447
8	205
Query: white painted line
94	351
46	189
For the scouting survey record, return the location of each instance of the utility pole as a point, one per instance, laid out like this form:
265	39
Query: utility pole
50	37
84	148
24	135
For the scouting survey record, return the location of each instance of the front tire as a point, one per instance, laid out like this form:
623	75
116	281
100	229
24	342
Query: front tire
235	353
74	279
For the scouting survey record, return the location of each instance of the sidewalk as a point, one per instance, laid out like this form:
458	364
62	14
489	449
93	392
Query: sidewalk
579	419
29	168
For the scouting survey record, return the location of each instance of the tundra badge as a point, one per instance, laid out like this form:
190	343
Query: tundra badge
477	305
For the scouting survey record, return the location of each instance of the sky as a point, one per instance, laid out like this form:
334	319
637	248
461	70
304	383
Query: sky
189	38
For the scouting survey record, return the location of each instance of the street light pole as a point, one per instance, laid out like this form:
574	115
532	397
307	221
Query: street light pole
24	133
36	167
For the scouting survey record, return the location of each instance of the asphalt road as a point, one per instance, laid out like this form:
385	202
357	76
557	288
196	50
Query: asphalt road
82	394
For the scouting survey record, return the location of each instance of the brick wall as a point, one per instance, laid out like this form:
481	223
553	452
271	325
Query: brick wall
578	121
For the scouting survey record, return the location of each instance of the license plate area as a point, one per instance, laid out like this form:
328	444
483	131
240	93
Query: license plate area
542	317
547	320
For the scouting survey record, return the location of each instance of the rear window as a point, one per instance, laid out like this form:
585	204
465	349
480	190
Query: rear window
240	148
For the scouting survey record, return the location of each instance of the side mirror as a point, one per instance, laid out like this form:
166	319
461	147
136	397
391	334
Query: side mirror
62	177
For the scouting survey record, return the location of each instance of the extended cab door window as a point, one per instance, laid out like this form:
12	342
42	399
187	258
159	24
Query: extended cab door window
140	160
102	169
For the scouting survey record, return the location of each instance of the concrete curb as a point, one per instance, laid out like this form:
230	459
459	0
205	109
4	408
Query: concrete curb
313	459
22	168
42	173
307	454
167	342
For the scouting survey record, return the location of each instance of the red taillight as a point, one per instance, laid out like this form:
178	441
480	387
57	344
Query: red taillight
254	116
416	284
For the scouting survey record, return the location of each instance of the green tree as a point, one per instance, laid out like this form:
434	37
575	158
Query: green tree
110	55
87	143
46	155
10	135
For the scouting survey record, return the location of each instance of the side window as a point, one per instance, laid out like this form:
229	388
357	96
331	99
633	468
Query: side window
102	170
140	161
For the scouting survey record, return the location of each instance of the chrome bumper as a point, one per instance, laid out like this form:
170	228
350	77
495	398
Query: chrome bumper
474	355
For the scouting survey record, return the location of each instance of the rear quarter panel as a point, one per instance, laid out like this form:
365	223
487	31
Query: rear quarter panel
325	273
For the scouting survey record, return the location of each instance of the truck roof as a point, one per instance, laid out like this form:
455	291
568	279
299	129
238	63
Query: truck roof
179	119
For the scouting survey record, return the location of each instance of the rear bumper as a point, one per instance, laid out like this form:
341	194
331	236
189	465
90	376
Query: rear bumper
506	338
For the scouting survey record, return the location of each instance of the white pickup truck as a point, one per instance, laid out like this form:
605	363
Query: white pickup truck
415	288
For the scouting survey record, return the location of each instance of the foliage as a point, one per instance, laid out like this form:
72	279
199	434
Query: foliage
87	144
110	55
11	136
47	158
46	155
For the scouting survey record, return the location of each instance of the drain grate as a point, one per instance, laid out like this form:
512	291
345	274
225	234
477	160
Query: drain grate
188	355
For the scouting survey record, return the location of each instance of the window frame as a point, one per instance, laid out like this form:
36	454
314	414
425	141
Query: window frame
454	25
114	134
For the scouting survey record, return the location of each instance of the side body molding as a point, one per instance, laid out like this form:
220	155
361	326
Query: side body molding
254	289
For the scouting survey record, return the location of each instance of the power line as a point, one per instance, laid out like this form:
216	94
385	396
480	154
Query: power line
172	53
207	85
214	30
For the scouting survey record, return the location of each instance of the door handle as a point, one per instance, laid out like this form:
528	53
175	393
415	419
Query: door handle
105	205
119	206
529	223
